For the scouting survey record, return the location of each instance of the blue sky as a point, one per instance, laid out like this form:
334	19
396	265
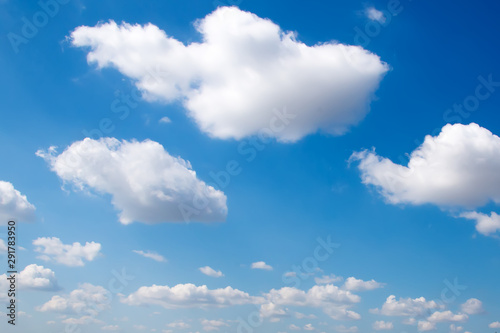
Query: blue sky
414	223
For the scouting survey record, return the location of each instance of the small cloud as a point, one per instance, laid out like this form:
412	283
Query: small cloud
375	15
207	270
261	265
165	120
151	255
496	324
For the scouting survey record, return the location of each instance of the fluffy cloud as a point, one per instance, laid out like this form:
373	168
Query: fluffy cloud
207	270
53	249
37	277
245	67
189	296
406	307
87	300
486	225
426	326
3	246
496	324
382	325
146	183
14	205
354	284
32	277
473	306
447	316
151	255
334	301
459	167
261	265
273	311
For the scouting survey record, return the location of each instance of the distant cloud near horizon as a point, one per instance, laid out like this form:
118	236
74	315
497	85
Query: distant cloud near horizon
261	265
207	270
151	255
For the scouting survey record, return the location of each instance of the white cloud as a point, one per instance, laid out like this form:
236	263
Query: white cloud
245	67
165	120
261	265
146	183
344	329
151	255
32	277
375	15
327	279
354	284
211	272
179	324
14	205
334	301
110	328
447	316
425	326
495	324
309	327
53	249
486	225
87	300
406	307
37	277
272	311
382	325
456	168
473	306
294	327
213	325
189	296
3	246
